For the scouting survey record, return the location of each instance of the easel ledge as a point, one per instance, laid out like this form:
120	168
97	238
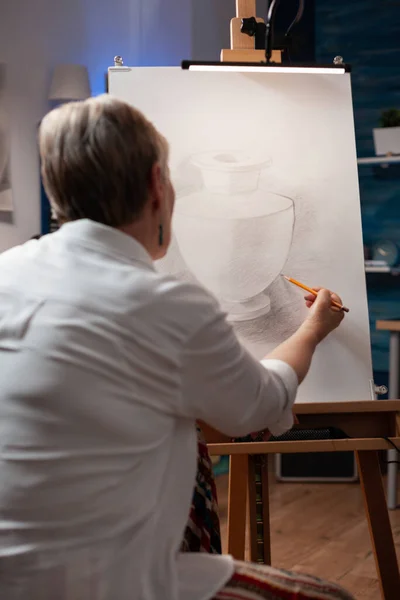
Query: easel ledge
257	448
366	422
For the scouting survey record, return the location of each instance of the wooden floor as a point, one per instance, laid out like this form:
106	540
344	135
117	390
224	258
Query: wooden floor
321	529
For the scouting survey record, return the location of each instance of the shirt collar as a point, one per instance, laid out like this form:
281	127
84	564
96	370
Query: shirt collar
107	239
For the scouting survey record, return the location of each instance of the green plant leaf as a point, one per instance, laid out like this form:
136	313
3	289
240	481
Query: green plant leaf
390	118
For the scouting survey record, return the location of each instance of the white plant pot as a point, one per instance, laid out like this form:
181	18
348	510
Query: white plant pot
387	140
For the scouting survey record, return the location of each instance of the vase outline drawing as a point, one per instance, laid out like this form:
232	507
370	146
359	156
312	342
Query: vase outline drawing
231	233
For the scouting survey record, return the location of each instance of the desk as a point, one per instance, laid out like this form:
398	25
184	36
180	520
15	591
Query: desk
394	392
367	423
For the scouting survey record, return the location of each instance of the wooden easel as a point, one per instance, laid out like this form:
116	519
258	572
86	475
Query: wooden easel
243	46
369	424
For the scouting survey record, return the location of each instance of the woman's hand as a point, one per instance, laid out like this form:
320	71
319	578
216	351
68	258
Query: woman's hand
323	317
298	350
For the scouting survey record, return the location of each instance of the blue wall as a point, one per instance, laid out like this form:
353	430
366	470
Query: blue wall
367	34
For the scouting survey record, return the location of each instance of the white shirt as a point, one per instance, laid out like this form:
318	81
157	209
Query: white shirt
105	365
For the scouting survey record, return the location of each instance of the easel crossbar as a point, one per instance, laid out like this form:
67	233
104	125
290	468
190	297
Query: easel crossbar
344	445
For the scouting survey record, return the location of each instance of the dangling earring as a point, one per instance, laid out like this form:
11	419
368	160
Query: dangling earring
160	235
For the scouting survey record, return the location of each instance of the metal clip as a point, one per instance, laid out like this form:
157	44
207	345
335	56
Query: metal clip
118	62
380	390
338	60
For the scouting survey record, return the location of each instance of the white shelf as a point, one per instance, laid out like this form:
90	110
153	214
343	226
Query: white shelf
378	270
379	160
387	270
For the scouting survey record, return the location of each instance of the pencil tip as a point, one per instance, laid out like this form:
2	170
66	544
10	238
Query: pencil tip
285	276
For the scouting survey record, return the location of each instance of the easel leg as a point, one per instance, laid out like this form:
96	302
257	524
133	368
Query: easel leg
237	504
252	489
265	509
379	524
260	537
394	394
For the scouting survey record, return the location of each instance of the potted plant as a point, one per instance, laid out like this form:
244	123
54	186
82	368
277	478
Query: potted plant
387	136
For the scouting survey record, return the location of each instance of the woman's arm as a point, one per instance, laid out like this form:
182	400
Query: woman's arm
298	350
223	385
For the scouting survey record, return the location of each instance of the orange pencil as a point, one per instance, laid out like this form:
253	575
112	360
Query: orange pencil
314	293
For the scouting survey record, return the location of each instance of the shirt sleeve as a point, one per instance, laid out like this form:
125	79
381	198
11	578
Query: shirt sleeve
223	385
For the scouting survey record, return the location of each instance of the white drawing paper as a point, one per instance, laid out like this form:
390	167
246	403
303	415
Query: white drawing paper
264	167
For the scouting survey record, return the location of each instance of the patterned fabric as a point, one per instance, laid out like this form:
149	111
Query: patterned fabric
259	582
202	532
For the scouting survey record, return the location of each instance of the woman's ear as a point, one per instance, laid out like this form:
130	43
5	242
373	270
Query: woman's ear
156	187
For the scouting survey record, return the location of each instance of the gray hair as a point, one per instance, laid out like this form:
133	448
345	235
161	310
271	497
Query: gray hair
97	157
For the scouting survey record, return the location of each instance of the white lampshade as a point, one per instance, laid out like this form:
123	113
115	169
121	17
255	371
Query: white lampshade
70	82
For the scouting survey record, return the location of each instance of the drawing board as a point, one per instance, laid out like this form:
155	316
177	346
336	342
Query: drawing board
265	172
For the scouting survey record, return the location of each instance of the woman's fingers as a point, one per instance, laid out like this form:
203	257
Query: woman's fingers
310	298
336	298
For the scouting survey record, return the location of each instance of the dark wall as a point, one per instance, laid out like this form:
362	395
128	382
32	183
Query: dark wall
367	34
303	33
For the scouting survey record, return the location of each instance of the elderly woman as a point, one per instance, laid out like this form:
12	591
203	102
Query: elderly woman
105	367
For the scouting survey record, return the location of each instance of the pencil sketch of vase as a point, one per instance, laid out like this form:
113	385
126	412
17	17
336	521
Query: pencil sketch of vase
232	233
5	186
